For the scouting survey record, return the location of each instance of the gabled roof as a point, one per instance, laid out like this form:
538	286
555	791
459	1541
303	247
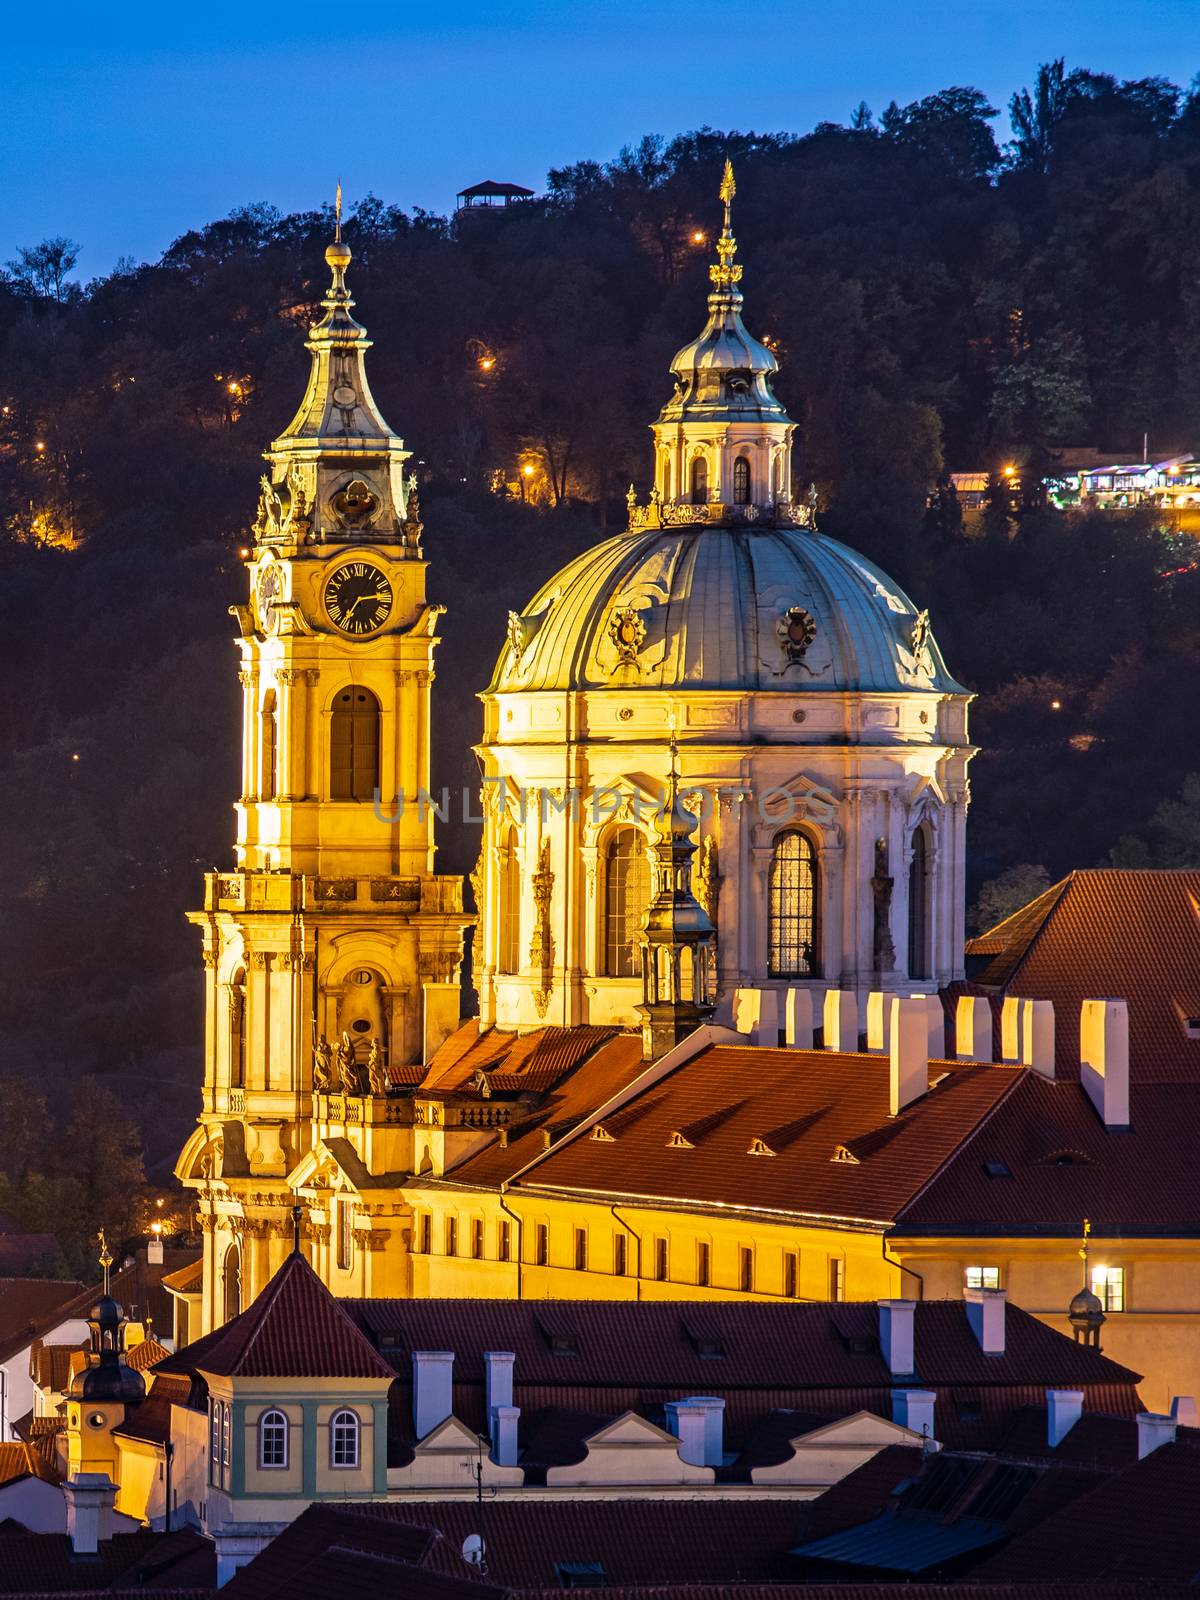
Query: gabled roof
1055	1162
21	1460
1107	931
803	1105
294	1329
187	1280
31	1307
45	1564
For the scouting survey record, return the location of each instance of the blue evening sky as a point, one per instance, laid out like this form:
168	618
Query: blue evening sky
122	125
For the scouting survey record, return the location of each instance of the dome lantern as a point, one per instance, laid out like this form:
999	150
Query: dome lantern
723	440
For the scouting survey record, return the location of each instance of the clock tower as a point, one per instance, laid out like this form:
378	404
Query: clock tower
332	951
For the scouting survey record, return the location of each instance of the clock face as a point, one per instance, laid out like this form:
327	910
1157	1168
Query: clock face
358	598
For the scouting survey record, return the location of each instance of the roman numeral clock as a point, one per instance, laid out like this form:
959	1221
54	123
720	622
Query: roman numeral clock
358	598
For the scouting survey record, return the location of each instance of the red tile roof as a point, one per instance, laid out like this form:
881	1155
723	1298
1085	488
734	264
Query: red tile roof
187	1280
21	1460
33	1306
45	1564
1135	1527
1064	1165
294	1329
1133	935
803	1105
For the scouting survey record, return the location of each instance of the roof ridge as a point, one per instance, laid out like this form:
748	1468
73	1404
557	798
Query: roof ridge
1002	1099
262	1305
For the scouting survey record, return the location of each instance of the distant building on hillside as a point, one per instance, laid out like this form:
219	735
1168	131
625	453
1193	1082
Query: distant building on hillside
491	196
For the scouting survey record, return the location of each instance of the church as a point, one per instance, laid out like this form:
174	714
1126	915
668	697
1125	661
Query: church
724	794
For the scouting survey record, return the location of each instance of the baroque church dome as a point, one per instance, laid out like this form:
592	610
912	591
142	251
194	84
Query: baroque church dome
727	607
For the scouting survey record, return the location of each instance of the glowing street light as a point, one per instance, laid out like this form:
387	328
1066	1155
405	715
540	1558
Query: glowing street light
39	446
698	236
486	363
1056	705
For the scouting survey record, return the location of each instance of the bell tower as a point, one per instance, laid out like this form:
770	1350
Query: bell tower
332	951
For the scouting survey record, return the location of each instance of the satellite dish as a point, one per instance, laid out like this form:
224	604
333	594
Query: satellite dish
474	1549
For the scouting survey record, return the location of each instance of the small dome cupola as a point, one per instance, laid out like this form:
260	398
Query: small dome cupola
723	440
107	1377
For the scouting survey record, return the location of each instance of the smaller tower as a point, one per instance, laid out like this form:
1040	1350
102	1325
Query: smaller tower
677	940
99	1394
1085	1313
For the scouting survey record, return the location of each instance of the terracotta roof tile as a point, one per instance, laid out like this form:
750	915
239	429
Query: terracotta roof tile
187	1280
1134	935
45	1564
33	1306
813	1101
294	1329
1059	1163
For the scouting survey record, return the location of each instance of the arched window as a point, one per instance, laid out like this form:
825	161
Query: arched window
793	907
508	957
626	897
343	1439
272	1441
231	1282
237	1029
918	907
354	745
699	481
269	774
741	481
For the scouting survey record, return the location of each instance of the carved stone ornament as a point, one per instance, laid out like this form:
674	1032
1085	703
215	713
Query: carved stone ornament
627	630
355	505
796	631
520	632
918	634
541	946
336	888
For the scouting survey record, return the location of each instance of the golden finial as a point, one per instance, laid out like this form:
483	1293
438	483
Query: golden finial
106	1258
337	214
1083	1248
724	274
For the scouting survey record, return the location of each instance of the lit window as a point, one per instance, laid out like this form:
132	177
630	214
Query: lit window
620	1257
792	907
791	1273
1108	1285
272	1440
343	1439
983	1277
837	1278
746	1269
703	1262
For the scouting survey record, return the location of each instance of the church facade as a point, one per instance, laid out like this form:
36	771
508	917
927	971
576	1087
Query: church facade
720	751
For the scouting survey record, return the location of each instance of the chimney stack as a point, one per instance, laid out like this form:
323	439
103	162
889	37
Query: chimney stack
896	1336
1064	1407
433	1389
913	1409
504	1420
498	1378
1153	1430
909	1052
973	1028
841	1019
985	1313
90	1498
1037	1036
1104	1058
1010	1030
756	1013
798	1019
698	1422
1183	1409
936	1018
879	1017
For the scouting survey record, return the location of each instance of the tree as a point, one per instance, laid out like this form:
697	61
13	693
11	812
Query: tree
1035	117
1005	895
42	269
951	128
1173	833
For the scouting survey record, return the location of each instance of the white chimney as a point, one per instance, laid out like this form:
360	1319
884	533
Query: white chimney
1104	1058
1010	1029
1037	1036
1064	1407
756	1013
498	1378
154	1250
699	1424
433	1389
879	1017
841	1019
798	1019
1153	1429
985	1313
504	1421
936	1019
896	1336
909	1052
913	1409
90	1498
1183	1409
973	1028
